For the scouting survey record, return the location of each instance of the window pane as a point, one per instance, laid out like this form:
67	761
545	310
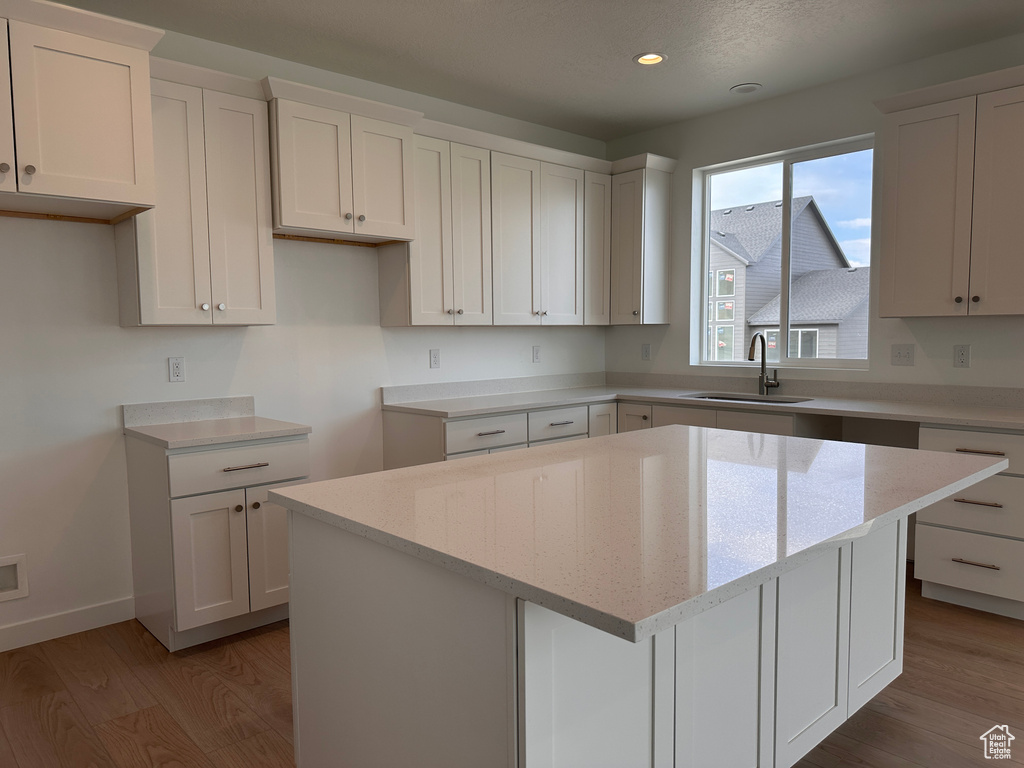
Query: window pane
725	311
723	342
772	337
830	256
727	282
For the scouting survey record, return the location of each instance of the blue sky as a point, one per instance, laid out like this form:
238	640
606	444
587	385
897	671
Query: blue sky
841	186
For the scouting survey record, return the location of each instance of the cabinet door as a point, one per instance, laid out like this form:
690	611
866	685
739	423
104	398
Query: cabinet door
173	239
812	654
515	206
603	420
82	116
382	178
627	247
431	293
313	168
561	245
211	579
238	184
267	527
997	271
633	417
471	234
597	249
927	192
8	178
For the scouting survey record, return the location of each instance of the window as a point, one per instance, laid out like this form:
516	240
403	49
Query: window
787	252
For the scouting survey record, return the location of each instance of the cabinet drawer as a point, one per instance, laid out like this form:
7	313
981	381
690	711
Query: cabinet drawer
216	470
939	550
561	422
994	505
959	440
490	432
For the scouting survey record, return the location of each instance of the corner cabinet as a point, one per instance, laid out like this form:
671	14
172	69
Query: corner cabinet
338	172
953	187
78	110
204	255
640	247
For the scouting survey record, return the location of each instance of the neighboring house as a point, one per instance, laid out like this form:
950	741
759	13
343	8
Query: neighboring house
828	298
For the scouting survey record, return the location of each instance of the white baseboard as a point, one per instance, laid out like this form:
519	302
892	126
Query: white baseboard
67	623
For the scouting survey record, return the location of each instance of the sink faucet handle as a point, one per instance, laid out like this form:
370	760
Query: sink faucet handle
774	380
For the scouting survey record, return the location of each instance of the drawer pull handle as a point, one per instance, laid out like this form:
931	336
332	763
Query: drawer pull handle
560	423
978	565
257	465
994	504
488	434
980	452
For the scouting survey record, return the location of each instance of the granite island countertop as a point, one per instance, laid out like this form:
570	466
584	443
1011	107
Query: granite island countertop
953	415
635	532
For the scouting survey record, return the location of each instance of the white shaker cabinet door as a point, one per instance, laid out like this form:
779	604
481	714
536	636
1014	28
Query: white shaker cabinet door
82	116
211	578
382	188
312	167
633	417
597	248
627	248
471	234
515	206
997	270
603	420
238	184
267	526
173	239
8	178
431	293
561	249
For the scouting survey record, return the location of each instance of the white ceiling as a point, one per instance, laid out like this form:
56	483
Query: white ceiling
567	63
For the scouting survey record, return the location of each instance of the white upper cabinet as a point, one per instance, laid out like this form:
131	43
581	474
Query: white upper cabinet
8	174
640	242
561	251
338	172
204	255
515	206
597	248
81	116
432	293
471	234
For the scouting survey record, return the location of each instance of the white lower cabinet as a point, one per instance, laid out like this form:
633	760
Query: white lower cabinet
633	417
604	419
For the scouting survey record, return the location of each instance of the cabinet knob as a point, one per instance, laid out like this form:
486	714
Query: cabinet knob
206	307
975	299
239	508
30	169
348	217
544	312
5	167
636	312
451	311
644	417
362	218
222	306
460	312
959	299
255	505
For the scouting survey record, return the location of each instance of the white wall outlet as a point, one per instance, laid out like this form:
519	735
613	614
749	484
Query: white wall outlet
175	368
903	354
645	351
536	354
961	355
435	358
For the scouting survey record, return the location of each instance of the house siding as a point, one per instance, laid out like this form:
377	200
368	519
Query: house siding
853	334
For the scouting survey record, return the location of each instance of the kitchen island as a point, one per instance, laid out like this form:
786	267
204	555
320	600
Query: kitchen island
678	596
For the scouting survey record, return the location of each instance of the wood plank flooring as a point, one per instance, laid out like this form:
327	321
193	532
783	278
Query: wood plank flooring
115	697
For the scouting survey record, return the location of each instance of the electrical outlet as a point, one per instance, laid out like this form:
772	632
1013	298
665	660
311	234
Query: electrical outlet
536	354
645	351
175	368
961	355
435	358
903	354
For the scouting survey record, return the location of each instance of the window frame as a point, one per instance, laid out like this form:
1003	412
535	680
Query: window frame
787	158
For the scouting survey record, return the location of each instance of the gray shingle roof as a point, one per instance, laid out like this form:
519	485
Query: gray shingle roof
822	296
749	231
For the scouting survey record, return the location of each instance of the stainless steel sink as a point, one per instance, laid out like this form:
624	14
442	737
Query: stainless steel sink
740	398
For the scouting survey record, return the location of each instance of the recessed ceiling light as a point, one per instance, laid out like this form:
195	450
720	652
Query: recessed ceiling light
746	88
649	58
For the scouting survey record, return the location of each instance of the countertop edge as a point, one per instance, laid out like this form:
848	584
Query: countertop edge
218	439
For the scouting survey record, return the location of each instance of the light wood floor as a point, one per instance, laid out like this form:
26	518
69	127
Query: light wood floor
115	697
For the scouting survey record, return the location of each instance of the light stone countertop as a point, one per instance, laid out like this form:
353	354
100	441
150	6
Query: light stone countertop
926	413
632	533
191	434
